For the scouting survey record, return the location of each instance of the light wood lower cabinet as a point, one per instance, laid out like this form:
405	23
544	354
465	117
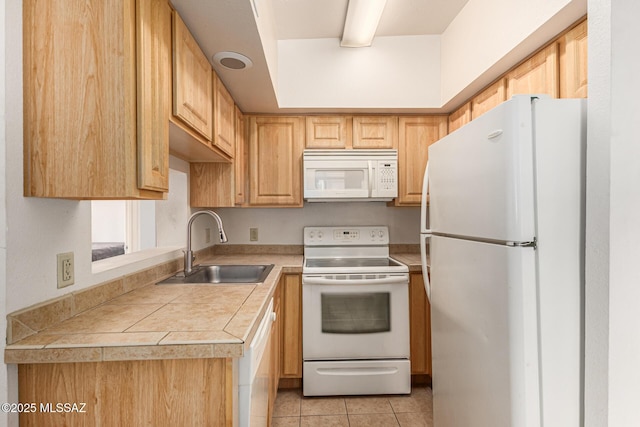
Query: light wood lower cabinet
177	392
420	326
275	348
96	98
291	365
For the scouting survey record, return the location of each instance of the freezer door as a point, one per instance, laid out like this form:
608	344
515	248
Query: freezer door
481	176
484	335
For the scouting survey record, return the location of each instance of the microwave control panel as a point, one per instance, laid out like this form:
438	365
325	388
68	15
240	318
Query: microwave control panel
387	177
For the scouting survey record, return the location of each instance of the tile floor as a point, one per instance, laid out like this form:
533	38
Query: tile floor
293	410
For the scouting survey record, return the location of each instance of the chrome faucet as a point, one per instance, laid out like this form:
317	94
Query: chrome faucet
188	255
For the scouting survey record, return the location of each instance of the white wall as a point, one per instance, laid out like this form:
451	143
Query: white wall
395	72
487	37
4	391
598	216
108	220
613	232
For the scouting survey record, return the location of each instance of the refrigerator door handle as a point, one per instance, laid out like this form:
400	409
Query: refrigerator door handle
423	201
423	261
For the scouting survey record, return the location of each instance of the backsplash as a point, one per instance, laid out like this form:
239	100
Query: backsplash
283	226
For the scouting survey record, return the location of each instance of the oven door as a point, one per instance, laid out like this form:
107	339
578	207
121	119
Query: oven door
364	316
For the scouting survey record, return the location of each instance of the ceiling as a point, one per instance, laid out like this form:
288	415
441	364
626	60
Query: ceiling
229	25
312	19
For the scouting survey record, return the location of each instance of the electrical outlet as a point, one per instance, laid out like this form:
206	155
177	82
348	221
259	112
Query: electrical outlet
253	234
207	235
65	269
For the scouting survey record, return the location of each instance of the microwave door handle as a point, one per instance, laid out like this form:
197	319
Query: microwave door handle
370	177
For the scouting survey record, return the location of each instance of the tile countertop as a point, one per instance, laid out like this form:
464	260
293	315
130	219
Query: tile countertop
167	321
162	321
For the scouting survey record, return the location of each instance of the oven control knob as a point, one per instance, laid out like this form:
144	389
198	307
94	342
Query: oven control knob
319	234
381	234
373	234
312	234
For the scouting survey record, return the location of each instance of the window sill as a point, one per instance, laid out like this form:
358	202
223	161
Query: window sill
127	263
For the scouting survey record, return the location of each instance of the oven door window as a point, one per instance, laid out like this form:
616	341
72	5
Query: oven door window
357	313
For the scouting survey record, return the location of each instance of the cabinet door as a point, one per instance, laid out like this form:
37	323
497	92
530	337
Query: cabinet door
275	157
328	132
573	62
240	159
224	121
192	82
375	132
419	326
276	337
80	100
154	93
460	117
491	97
211	185
291	366
415	136
538	74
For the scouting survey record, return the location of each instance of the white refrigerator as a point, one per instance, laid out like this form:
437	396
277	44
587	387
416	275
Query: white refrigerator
504	232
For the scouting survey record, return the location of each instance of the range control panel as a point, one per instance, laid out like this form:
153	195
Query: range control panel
346	236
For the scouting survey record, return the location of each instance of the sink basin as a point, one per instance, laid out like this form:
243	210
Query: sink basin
222	273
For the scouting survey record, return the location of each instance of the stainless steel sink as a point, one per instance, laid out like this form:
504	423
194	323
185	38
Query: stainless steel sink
222	273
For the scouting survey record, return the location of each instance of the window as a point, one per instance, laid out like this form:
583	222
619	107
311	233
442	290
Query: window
122	226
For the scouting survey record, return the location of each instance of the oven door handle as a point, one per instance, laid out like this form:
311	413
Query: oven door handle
383	281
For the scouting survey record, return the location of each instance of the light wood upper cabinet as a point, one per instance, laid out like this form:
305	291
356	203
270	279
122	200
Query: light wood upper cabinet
460	117
89	68
328	132
224	121
241	159
192	81
538	74
211	185
419	326
275	160
573	62
154	93
491	97
218	184
416	133
375	132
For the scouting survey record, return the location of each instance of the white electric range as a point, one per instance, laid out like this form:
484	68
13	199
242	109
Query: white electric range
355	313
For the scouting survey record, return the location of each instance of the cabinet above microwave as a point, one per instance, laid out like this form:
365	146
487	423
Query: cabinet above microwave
350	175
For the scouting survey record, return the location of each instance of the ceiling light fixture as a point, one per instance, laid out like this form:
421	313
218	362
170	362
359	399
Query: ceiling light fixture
232	60
361	23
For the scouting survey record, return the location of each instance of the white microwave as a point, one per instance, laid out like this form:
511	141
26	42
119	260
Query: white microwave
350	175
